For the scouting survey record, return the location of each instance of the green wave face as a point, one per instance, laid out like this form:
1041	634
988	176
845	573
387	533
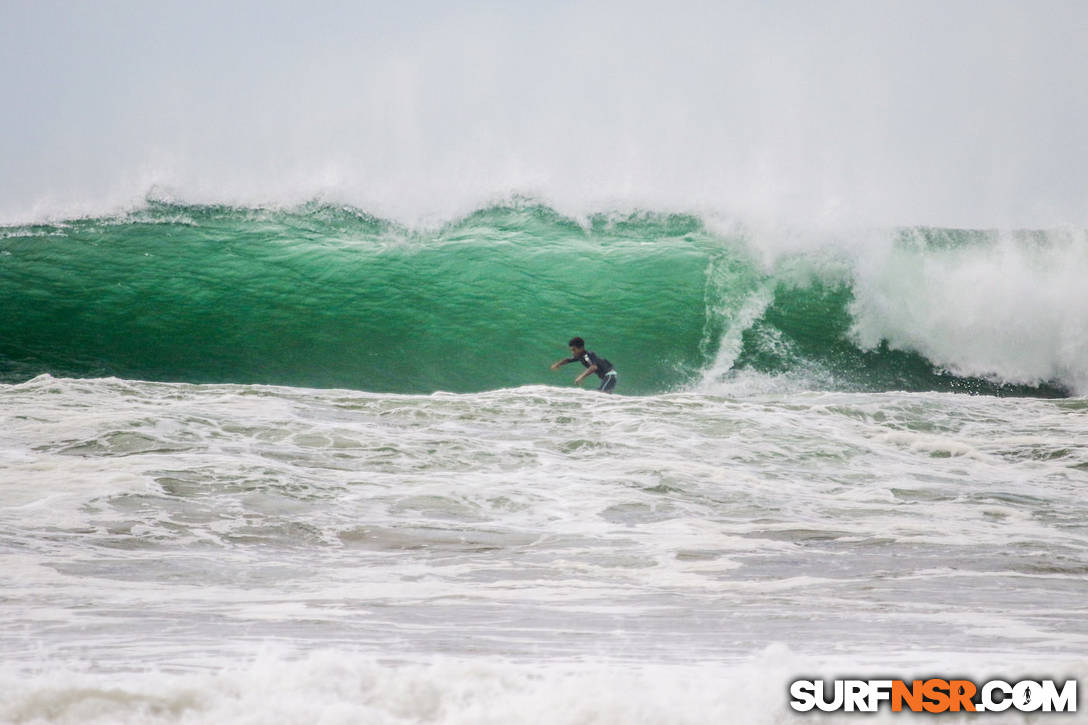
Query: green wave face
328	297
809	331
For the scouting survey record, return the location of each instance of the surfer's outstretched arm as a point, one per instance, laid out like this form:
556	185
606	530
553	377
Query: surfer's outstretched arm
585	374
560	363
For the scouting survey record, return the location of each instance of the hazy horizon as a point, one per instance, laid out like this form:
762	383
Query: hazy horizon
952	114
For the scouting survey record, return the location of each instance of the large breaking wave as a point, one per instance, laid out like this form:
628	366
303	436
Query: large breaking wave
329	296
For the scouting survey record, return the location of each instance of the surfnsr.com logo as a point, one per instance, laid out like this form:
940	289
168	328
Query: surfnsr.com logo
933	695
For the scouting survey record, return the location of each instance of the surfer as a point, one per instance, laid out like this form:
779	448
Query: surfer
593	363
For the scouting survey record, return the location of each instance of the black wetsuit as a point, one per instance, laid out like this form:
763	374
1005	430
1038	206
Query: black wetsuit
604	370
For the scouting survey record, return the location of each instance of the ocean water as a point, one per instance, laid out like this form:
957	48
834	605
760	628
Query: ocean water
309	465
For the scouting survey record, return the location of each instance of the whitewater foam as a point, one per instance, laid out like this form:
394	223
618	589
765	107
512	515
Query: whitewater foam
345	687
527	553
1009	307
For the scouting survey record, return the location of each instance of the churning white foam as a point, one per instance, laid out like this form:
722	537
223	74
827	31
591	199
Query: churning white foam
337	687
1011	309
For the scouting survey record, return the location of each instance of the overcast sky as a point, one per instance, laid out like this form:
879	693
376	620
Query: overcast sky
920	112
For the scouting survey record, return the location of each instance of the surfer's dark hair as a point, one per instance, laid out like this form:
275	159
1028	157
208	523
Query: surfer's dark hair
576	342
